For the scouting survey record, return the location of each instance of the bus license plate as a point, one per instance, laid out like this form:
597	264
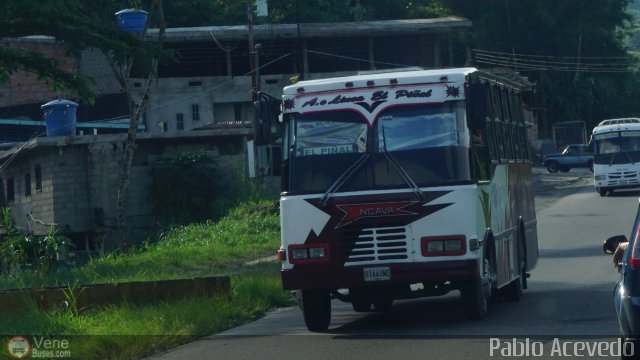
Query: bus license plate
377	274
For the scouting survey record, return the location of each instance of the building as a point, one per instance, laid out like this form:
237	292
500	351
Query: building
212	80
204	100
71	183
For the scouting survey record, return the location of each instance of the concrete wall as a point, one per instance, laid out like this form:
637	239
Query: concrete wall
94	64
40	204
80	179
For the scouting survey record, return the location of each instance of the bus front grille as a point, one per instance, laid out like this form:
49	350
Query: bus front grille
375	245
623	178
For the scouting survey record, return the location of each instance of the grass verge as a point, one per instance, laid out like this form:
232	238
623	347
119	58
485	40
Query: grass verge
249	231
130	332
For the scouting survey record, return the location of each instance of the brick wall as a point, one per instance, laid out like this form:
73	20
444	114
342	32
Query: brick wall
25	88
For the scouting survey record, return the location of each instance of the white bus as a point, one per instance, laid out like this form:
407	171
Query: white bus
405	184
616	155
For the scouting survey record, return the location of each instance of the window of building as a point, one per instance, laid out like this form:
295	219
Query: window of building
143	120
27	184
195	112
180	121
11	196
237	112
38	174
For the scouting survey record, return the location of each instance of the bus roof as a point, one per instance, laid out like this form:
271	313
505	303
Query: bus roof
619	121
360	81
601	129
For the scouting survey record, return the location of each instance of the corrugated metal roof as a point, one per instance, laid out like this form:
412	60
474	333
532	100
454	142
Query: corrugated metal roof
316	30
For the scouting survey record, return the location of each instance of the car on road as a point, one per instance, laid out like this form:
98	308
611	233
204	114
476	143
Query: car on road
572	156
627	290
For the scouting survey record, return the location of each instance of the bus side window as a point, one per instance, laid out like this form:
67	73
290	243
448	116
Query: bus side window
522	128
491	141
513	125
506	122
497	125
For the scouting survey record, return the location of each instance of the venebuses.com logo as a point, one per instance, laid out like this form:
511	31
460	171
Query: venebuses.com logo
19	347
38	347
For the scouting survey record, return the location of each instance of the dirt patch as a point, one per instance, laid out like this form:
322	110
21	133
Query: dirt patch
549	188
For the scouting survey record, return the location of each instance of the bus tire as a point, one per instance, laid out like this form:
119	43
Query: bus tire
513	291
474	295
474	300
361	305
383	305
316	308
602	192
552	166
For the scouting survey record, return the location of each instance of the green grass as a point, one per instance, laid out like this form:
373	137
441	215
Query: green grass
249	231
130	332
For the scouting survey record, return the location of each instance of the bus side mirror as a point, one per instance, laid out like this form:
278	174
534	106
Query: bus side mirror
477	103
267	110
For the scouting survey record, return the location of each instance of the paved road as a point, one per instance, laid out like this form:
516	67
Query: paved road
569	296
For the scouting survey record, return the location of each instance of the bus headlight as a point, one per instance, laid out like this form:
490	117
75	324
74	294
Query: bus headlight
300	254
309	253
600	177
316	253
452	245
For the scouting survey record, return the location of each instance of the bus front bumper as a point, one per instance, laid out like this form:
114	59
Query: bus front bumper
315	277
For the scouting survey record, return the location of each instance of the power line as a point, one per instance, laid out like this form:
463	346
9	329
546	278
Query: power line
549	56
532	62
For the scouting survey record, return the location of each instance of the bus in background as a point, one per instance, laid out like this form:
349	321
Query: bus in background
407	184
616	155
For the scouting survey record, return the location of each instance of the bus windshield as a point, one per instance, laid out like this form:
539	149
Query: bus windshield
427	143
419	128
618	147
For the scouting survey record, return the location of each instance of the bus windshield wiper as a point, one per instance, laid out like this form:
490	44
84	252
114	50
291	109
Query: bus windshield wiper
396	165
613	156
629	156
343	178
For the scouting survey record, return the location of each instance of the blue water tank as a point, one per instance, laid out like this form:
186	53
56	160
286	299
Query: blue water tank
131	20
60	117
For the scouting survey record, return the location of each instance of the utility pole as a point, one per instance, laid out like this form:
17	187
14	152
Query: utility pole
252	52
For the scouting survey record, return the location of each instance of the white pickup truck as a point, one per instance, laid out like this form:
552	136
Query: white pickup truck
572	156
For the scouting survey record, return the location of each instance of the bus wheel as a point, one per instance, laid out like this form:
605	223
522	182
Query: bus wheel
513	291
383	305
361	305
475	293
602	192
474	300
316	308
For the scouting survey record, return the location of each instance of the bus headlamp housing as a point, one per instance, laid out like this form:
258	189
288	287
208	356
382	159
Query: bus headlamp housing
450	245
309	253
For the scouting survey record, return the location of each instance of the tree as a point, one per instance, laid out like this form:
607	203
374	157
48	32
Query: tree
569	34
121	67
80	24
77	24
